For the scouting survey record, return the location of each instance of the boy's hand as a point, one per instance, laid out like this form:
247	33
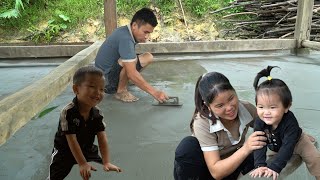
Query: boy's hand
111	167
85	170
258	172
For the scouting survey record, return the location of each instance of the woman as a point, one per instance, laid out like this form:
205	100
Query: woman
217	148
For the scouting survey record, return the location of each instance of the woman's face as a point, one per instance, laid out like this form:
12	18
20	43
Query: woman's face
225	105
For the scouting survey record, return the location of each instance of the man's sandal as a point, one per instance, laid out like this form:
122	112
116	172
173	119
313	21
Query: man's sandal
126	96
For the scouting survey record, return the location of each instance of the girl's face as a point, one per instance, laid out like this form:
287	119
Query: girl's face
270	109
225	105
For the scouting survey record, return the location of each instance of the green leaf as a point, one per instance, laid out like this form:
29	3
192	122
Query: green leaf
19	4
10	14
46	111
51	21
63	26
64	17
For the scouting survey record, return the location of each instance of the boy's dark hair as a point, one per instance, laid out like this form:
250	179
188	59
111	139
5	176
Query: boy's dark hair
271	86
207	88
144	16
80	74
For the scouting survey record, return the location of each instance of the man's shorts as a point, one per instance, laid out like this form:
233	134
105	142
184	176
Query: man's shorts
112	79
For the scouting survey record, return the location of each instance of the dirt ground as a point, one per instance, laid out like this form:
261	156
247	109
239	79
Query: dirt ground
170	29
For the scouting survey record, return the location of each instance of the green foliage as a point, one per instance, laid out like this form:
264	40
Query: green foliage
166	6
130	6
53	29
202	7
44	112
198	7
13	13
32	14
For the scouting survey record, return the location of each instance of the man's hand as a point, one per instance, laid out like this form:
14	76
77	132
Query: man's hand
160	96
111	167
85	170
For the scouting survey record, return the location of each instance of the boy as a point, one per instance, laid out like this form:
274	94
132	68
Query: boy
79	122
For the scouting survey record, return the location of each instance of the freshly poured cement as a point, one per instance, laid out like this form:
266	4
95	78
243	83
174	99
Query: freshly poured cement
17	74
142	137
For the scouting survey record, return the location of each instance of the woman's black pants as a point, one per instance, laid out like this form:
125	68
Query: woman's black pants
189	163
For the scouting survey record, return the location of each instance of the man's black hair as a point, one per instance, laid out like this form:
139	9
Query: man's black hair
145	16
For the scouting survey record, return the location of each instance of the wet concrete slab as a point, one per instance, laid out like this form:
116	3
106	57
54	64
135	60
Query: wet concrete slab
142	137
16	74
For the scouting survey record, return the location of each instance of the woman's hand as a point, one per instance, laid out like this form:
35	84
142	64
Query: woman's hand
269	172
258	172
255	141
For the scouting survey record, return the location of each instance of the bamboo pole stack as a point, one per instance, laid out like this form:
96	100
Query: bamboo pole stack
268	19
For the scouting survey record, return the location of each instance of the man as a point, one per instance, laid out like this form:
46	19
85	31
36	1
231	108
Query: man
118	59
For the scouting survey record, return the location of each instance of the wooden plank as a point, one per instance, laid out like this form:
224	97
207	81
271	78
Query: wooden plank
311	44
303	22
110	16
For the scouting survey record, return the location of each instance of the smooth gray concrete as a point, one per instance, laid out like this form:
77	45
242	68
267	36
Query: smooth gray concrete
142	137
19	73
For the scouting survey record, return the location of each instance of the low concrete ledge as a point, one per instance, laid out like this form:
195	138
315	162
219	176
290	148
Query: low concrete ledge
41	51
16	110
217	46
157	48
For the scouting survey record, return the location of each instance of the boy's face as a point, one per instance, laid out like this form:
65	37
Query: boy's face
91	91
270	109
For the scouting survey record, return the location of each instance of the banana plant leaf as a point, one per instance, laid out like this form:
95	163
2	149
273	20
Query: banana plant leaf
46	111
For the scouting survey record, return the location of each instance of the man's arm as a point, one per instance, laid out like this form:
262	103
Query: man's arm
74	146
137	79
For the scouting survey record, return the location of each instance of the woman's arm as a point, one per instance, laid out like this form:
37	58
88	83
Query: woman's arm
222	168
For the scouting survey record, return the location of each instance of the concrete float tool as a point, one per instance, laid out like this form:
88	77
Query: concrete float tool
173	101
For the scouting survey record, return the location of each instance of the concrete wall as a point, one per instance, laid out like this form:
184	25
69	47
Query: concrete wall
218	46
40	51
164	47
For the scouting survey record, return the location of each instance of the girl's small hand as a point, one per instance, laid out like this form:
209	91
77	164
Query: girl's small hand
258	172
255	141
111	167
269	172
